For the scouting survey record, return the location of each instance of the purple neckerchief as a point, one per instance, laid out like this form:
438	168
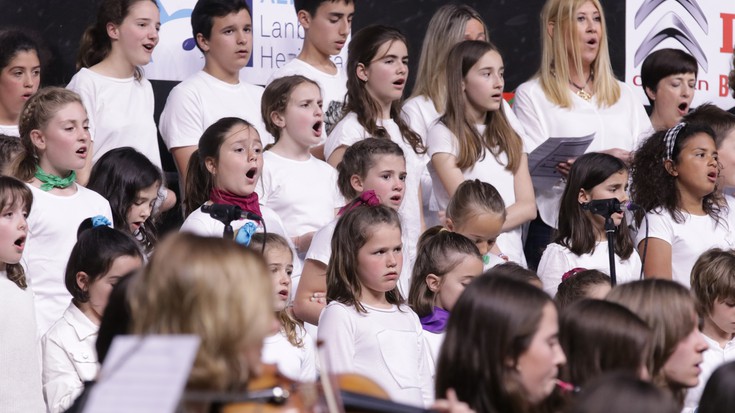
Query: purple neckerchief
435	322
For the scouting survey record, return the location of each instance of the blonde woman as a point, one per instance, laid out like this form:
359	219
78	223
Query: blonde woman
575	94
451	24
215	289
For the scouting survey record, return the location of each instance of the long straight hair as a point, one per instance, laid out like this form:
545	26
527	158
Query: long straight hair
669	310
363	49
555	72
446	28
491	326
499	136
576	230
354	229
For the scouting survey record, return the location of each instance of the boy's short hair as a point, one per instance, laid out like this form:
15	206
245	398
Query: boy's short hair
202	17
311	6
720	120
713	279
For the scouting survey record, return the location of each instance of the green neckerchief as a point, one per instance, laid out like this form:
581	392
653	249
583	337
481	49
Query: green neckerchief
49	181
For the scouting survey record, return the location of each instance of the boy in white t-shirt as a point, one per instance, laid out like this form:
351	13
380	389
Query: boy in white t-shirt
223	31
713	287
327	25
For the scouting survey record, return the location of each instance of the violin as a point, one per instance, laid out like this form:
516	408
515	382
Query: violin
272	392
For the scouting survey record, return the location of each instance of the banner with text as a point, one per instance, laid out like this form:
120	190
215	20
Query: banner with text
702	28
277	38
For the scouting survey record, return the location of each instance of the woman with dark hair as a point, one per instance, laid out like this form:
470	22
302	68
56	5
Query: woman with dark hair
501	351
600	336
669	77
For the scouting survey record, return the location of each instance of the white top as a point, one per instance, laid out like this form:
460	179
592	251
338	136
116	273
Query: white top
52	233
334	87
321	243
557	260
385	345
348	132
434	341
9	130
688	239
420	114
120	113
20	367
201	100
305	192
204	225
69	358
714	357
490	170
622	125
296	363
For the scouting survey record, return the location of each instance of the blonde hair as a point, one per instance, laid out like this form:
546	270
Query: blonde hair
446	28
555	72
668	309
38	110
213	288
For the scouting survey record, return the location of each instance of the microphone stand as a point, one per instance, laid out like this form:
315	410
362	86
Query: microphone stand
610	230
226	216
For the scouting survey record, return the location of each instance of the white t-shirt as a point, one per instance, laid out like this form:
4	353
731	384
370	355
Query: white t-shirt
714	357
202	224
201	100
120	113
52	233
348	132
9	130
434	341
20	364
69	358
490	170
334	87
688	239
386	345
296	363
557	260
622	125
303	191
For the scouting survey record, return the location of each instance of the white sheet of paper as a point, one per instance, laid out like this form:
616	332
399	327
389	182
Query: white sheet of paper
143	374
543	160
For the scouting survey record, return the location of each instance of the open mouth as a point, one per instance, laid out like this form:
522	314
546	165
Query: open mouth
592	42
400	82
82	150
396	198
683	107
20	242
149	46
283	294
251	173
712	176
317	126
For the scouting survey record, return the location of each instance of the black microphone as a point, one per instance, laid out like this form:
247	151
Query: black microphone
607	207
229	213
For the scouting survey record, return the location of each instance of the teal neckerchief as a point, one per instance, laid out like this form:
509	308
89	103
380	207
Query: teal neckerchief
49	181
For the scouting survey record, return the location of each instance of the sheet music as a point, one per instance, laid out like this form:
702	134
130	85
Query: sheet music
543	160
143	374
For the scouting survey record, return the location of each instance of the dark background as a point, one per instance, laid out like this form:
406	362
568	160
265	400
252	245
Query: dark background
513	25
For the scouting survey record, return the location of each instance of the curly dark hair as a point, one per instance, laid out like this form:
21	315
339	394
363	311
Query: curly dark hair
653	187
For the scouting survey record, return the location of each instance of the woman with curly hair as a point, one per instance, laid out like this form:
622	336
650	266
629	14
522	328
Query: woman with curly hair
674	177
